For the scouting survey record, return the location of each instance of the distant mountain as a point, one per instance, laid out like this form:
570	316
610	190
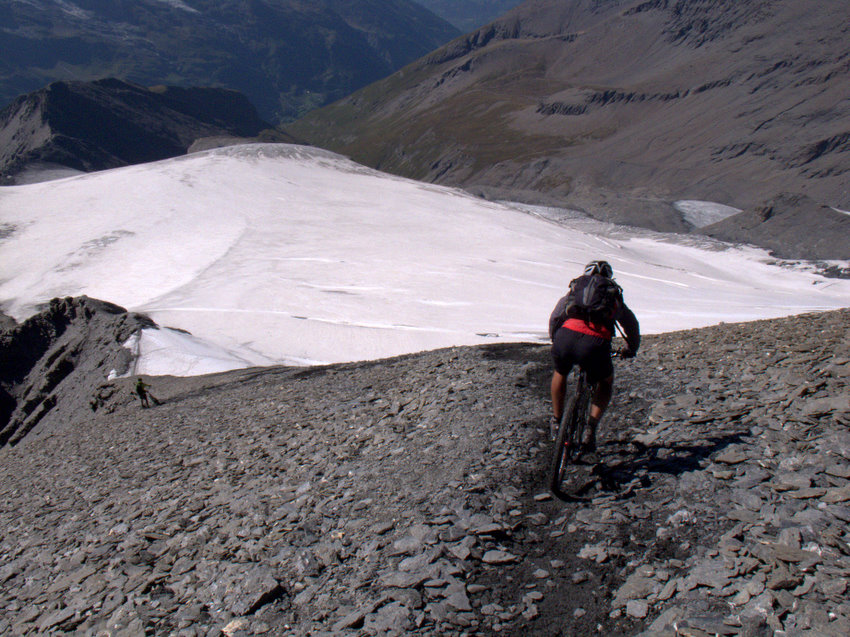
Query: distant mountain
468	15
109	123
619	107
287	56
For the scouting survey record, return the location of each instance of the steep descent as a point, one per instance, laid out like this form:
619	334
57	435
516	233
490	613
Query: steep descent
408	496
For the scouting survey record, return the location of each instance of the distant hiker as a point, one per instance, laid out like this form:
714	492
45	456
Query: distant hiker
143	393
581	328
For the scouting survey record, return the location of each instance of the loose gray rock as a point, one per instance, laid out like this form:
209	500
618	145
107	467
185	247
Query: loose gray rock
409	495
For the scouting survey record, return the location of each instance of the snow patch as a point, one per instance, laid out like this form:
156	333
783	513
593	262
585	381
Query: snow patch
38	4
71	9
177	353
703	213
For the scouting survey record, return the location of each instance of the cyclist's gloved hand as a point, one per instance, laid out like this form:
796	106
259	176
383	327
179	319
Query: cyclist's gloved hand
625	352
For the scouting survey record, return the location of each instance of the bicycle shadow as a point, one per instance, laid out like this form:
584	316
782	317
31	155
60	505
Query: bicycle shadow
624	468
622	462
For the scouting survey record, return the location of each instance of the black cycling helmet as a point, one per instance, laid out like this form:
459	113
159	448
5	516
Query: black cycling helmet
599	267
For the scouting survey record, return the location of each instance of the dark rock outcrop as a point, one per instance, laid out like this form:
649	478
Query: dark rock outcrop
408	496
53	366
109	123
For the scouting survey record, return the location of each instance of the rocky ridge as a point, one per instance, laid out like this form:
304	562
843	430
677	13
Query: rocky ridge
54	364
407	496
110	123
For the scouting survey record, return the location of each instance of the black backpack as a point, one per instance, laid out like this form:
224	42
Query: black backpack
594	298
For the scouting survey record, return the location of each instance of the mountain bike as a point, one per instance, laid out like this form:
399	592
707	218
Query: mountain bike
568	441
564	481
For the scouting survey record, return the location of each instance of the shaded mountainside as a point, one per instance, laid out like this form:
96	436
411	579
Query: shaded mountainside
407	496
109	123
286	56
618	107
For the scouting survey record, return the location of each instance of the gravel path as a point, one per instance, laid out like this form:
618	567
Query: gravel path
408	496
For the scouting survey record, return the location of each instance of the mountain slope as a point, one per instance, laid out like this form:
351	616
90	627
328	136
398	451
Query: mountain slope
620	107
108	123
777	225
286	56
409	495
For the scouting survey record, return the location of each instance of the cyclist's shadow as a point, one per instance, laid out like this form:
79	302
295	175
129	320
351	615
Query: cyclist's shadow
621	465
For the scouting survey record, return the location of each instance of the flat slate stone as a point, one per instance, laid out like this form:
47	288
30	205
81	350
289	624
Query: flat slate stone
404	580
637	608
498	557
731	456
839	470
806	494
55	619
835	496
791	554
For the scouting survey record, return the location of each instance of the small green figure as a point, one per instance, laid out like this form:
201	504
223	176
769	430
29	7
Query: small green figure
145	397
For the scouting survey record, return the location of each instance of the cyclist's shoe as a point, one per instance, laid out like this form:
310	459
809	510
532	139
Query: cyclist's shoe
554	424
587	450
588	446
588	440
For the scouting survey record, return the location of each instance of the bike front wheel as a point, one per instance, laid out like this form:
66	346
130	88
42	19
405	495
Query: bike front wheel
566	445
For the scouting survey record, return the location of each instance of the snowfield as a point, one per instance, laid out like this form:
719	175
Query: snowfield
703	213
288	254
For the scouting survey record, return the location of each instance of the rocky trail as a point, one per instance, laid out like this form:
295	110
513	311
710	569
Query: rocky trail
408	496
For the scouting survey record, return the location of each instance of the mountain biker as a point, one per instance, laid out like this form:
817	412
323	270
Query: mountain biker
142	390
585	340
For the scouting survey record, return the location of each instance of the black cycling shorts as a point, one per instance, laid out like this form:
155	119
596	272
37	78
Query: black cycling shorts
592	353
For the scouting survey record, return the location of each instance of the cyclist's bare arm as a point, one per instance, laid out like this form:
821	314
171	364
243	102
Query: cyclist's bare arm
628	321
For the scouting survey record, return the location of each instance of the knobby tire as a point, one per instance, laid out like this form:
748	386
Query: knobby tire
569	436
